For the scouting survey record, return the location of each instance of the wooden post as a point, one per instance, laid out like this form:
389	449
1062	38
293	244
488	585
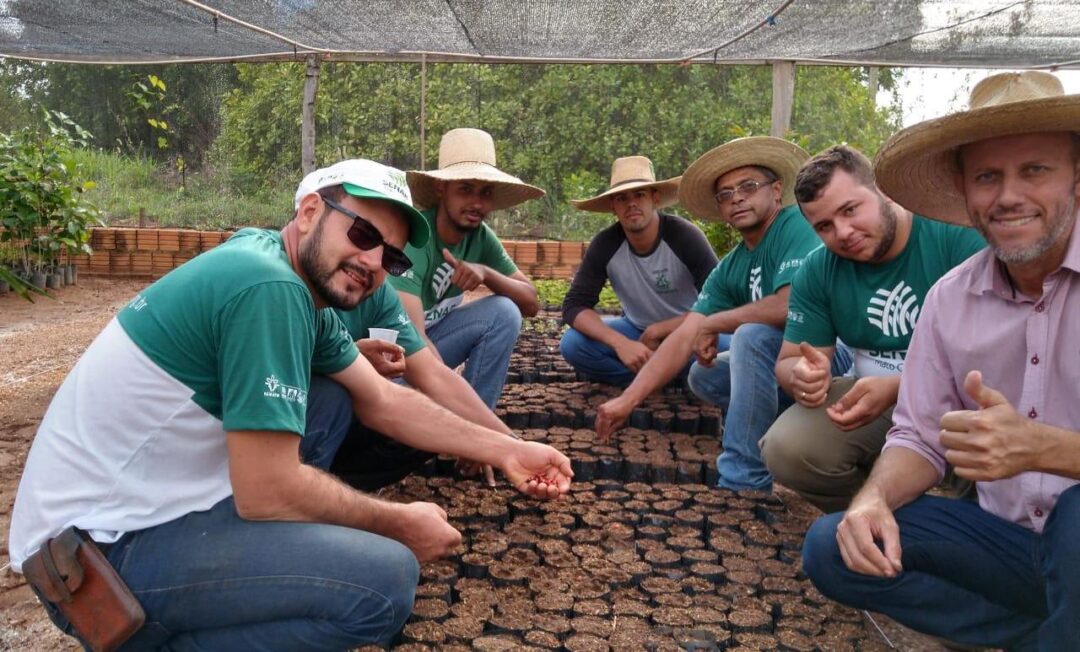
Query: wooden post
872	83
783	95
423	107
307	126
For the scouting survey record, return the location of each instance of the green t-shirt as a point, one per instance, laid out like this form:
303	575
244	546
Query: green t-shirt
430	275
744	275
382	309
239	328
873	307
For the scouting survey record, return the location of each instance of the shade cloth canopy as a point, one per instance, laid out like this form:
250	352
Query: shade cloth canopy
955	33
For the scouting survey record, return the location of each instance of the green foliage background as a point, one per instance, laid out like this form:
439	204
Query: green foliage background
237	127
556	126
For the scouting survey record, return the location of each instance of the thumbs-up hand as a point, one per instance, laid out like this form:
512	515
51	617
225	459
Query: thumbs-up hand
467	276
990	443
810	376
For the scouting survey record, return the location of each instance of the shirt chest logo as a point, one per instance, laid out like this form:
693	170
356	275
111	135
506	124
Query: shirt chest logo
440	282
894	311
755	284
661	280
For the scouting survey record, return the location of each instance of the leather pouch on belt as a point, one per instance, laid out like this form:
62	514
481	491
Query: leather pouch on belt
70	571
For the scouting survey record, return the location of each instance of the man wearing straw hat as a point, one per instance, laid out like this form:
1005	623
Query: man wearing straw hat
865	287
989	387
656	262
464	254
177	444
740	313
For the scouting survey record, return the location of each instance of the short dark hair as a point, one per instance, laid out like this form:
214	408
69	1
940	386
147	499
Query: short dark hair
818	171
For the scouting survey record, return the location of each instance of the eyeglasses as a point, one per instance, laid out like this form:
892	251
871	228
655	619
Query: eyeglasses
365	236
747	189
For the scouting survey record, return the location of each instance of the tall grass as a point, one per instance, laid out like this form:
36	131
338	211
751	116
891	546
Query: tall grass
128	186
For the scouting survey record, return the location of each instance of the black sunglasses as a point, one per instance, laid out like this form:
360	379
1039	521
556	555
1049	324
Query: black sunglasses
365	236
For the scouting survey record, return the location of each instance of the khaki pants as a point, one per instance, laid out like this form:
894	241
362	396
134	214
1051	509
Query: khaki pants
806	452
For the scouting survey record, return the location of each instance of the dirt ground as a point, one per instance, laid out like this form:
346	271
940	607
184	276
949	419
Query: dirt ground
39	342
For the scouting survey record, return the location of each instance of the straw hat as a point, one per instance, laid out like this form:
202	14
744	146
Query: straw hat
698	190
629	173
469	155
916	166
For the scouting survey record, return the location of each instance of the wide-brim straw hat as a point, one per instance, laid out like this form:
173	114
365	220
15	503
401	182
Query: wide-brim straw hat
469	155
631	173
697	193
916	167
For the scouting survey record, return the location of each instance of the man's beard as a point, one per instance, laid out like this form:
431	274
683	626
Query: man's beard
319	275
1031	252
888	235
464	225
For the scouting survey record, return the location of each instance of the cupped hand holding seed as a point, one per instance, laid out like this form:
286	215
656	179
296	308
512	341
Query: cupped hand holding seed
538	470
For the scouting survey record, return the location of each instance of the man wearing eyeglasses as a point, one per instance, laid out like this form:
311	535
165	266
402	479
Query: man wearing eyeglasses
178	444
736	326
464	254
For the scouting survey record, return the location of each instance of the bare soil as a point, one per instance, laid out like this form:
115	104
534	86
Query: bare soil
39	343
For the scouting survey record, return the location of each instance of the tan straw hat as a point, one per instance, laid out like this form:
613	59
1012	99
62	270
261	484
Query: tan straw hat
698	190
916	166
469	155
629	173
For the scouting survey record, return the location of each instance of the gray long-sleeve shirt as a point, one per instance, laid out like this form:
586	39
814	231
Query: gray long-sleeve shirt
654	286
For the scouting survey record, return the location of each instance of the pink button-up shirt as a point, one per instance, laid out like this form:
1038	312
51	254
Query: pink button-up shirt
973	319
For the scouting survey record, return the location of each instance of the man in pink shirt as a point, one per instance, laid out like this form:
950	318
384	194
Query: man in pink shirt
991	386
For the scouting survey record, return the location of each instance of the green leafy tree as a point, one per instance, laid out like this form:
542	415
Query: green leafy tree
556	126
99	99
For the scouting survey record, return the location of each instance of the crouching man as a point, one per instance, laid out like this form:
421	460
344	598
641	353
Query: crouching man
177	442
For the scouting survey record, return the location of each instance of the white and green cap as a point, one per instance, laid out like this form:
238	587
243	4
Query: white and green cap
369	180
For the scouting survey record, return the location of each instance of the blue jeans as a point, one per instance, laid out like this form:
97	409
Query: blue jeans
481	334
968	576
213	581
366	458
743	383
597	362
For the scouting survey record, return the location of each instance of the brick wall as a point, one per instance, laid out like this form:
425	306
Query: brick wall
154	252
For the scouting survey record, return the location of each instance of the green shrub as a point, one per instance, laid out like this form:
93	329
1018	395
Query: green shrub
42	207
553	291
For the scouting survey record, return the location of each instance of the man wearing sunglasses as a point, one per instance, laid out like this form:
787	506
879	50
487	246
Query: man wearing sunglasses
465	254
367	459
736	326
178	443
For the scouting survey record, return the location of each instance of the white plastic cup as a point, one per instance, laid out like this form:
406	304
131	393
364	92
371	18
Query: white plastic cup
384	334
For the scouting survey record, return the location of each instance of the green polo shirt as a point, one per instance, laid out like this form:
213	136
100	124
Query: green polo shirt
430	275
746	275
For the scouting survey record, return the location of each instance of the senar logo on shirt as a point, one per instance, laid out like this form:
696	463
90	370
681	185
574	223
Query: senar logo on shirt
287	393
894	311
755	283
440	282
